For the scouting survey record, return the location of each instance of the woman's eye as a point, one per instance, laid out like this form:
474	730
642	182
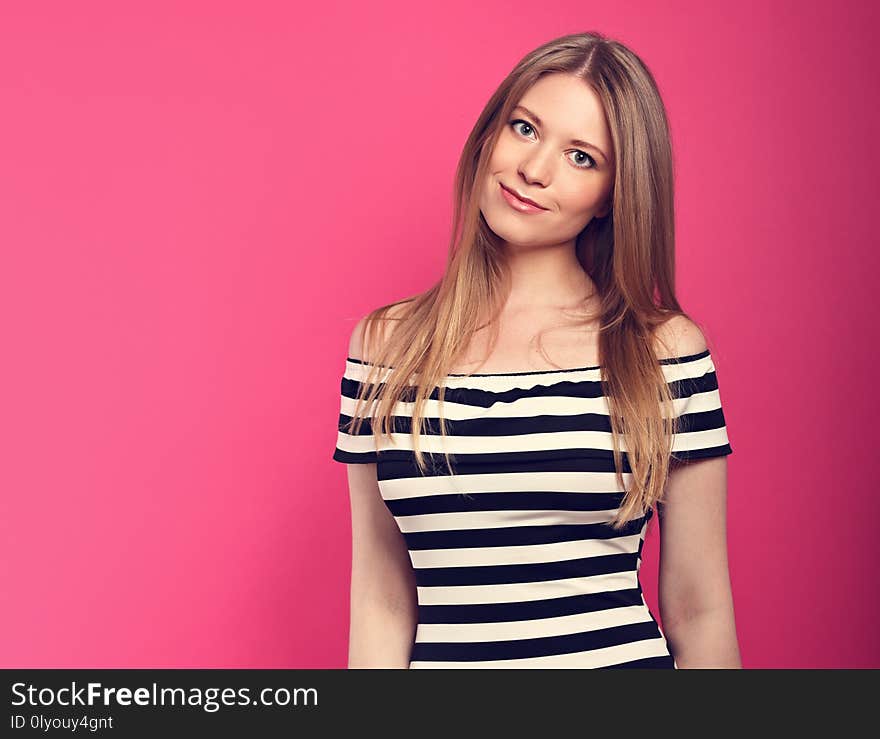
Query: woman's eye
524	123
589	159
590	163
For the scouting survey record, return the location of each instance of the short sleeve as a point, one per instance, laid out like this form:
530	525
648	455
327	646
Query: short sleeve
701	431
353	448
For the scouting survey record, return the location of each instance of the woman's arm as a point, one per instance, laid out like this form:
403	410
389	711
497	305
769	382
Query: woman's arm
384	609
384	601
696	603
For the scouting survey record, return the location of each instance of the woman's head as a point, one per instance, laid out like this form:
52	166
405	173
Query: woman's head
555	149
618	215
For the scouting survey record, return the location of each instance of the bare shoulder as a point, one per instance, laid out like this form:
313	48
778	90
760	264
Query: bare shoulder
679	336
374	329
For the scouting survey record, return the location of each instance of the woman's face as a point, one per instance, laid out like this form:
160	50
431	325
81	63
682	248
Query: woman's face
536	157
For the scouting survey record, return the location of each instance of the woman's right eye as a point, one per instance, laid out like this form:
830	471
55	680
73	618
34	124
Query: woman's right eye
515	122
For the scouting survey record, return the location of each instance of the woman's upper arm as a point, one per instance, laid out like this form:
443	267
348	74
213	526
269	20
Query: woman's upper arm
693	573
381	568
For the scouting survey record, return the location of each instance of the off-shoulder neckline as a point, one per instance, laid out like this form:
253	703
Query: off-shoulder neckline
664	360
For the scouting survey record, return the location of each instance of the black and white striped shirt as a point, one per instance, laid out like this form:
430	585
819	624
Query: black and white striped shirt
524	571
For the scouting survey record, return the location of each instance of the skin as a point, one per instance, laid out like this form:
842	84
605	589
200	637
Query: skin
540	162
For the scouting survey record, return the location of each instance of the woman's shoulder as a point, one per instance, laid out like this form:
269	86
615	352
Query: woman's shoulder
679	336
374	329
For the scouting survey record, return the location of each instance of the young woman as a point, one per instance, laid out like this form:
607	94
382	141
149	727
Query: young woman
509	431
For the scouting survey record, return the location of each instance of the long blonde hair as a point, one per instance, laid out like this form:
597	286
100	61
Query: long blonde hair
629	254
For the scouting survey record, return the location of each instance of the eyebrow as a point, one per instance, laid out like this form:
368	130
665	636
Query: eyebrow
576	142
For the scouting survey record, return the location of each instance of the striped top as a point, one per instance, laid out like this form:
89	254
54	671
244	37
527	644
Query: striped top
523	571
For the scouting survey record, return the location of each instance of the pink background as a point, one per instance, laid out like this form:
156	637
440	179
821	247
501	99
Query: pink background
198	201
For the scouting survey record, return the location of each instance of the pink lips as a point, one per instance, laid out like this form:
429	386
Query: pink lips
520	205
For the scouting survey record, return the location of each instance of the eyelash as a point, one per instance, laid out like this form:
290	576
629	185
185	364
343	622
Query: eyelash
513	124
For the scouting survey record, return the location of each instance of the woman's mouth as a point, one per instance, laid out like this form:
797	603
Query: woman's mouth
519	205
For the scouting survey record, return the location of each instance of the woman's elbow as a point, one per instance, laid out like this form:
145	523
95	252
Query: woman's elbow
381	634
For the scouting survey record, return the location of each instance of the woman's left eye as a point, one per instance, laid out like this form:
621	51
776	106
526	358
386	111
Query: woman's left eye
590	160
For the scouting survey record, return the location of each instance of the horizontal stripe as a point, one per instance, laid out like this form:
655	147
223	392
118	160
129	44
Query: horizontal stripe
648	652
519	535
513	592
532	628
538	647
531	572
556	551
497	519
512	501
583	482
564	399
574	442
463	613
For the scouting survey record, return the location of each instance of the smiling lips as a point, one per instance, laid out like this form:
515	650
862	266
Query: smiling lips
519	204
